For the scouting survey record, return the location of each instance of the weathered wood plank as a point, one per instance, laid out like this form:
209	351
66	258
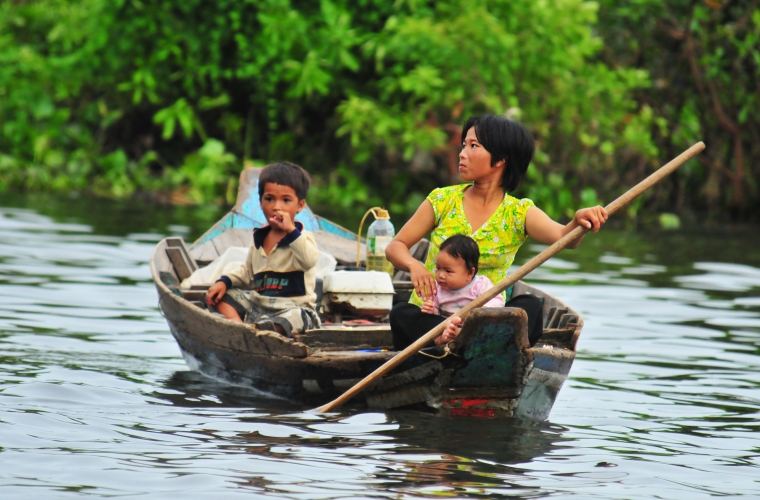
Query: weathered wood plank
408	376
182	267
244	235
343	249
215	332
488	392
341	338
226	240
403	397
178	242
555	319
559	337
493	341
194	295
204	253
565	319
247	188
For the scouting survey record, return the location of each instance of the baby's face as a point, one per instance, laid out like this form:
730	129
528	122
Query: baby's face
451	272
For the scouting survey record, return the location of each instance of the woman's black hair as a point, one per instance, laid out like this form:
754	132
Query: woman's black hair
462	247
506	140
288	174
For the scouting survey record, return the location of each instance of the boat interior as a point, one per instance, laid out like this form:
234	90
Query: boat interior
353	319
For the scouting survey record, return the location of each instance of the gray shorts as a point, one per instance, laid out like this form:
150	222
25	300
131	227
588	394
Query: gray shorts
294	319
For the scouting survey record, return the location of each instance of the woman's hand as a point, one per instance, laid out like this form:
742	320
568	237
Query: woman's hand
592	218
450	332
423	280
215	293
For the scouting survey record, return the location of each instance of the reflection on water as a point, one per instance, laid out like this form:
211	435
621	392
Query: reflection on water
95	398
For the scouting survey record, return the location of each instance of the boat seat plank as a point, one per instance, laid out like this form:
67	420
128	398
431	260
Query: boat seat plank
181	267
549	315
193	295
556	317
566	319
179	256
340	337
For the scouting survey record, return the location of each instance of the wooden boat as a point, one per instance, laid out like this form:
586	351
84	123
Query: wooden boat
490	371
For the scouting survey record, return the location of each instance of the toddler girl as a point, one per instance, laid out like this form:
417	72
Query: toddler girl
457	280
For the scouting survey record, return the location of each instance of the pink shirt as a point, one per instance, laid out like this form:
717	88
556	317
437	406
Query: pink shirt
447	302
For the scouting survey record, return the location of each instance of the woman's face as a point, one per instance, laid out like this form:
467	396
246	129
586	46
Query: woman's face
475	161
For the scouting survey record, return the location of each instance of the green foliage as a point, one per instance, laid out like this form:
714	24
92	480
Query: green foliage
121	96
210	173
669	221
704	60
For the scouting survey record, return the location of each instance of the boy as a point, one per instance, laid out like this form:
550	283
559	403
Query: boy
280	267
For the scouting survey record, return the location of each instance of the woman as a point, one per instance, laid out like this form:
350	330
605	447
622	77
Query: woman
495	155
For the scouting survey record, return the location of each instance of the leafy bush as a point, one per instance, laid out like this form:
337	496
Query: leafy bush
129	95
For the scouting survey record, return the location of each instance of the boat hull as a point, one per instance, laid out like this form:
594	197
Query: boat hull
490	371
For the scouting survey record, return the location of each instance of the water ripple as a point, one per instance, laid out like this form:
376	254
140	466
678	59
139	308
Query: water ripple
96	400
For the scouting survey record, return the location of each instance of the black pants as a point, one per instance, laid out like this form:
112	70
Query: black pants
409	323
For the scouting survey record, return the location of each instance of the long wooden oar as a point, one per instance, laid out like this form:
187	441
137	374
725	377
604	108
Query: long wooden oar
514	277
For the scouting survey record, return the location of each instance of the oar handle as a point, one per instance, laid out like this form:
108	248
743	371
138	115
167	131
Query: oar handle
514	277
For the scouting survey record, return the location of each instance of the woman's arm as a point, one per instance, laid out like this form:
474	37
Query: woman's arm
543	229
397	251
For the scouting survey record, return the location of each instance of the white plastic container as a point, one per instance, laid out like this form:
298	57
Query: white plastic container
365	293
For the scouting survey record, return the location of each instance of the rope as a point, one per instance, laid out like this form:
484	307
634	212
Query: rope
446	351
160	298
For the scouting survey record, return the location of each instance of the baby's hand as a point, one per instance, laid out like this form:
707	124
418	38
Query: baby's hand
428	307
281	220
451	330
215	293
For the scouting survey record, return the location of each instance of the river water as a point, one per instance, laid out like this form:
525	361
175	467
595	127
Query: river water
663	400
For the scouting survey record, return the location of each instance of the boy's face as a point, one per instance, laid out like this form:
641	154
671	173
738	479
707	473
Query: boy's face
451	272
278	200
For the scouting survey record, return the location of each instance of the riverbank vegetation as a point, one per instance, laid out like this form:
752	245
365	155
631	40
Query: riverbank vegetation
173	98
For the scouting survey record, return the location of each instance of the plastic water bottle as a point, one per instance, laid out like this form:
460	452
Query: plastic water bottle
379	234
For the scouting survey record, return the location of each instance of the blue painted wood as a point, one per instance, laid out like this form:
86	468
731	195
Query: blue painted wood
552	363
536	401
247	213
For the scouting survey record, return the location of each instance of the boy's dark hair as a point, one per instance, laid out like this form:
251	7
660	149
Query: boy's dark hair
506	140
288	174
462	247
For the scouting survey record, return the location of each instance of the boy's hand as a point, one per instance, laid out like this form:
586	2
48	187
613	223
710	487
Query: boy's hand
215	293
282	221
591	218
451	330
428	307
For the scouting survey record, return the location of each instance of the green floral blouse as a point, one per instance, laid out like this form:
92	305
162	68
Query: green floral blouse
498	239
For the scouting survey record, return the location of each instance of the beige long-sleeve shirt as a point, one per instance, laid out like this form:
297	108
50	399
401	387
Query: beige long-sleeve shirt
283	279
